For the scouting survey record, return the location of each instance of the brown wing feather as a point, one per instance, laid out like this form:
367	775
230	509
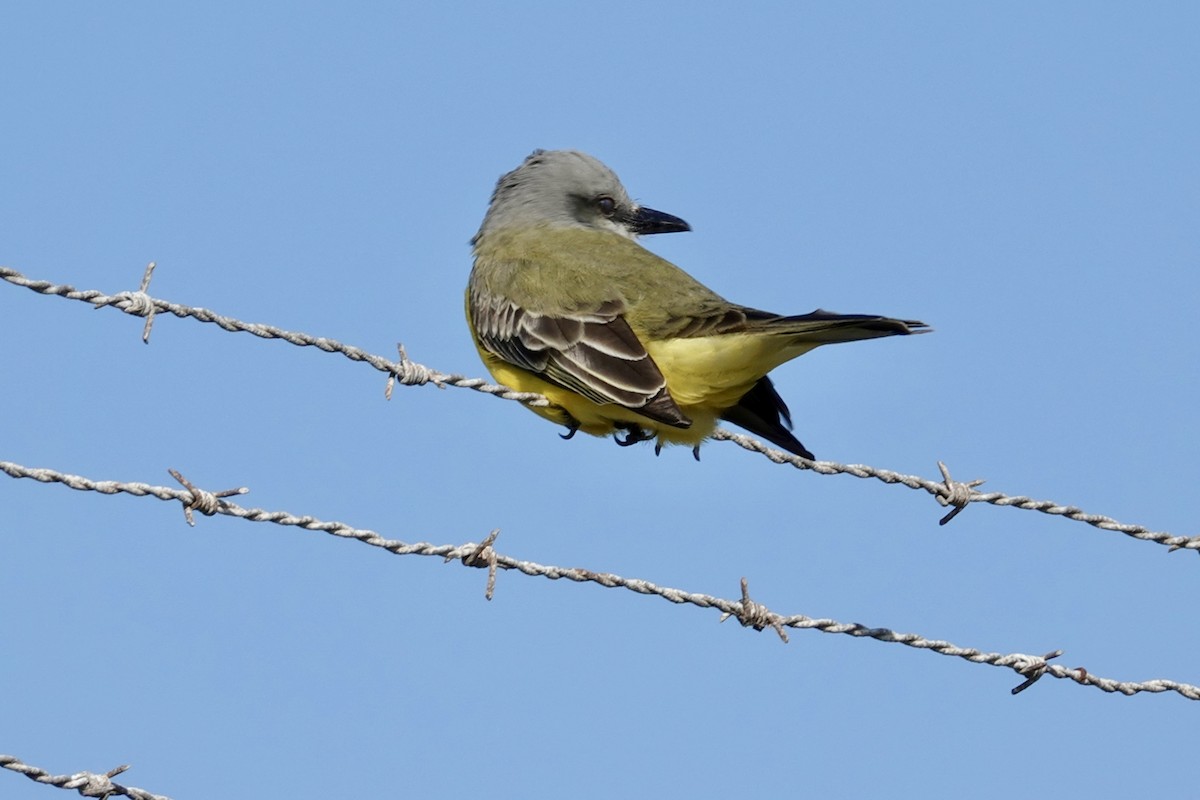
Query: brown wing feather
595	354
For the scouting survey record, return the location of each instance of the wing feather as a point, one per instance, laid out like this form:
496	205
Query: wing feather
594	353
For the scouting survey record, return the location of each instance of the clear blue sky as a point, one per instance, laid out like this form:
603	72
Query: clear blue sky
1023	176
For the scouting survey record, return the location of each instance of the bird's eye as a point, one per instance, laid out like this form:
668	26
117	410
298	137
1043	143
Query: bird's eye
607	205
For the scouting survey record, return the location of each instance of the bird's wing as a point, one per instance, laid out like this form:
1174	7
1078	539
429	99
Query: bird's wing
593	353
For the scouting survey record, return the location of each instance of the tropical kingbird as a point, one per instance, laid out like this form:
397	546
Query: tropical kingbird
563	301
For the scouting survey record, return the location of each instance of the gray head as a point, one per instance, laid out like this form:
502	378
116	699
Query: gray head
567	188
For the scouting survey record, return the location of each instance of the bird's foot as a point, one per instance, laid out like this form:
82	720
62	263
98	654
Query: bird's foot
573	426
633	435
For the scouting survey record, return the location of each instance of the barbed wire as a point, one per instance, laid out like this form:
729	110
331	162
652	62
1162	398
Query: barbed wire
949	493
958	494
483	554
88	784
140	304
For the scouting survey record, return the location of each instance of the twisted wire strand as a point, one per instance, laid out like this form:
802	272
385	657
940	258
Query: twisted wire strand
88	784
947	491
947	487
747	612
140	304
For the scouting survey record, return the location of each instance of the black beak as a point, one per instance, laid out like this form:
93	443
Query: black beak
645	221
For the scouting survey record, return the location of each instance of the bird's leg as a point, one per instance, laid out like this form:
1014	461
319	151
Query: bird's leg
633	434
696	452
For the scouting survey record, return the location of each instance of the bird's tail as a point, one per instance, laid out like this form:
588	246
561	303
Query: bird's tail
826	327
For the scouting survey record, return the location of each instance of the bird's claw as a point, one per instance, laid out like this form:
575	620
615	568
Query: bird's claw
633	435
658	448
573	426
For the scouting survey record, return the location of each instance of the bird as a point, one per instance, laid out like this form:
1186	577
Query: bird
564	301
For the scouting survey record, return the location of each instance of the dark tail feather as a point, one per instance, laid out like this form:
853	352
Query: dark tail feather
763	412
826	327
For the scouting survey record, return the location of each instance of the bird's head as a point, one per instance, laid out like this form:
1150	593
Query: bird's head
567	188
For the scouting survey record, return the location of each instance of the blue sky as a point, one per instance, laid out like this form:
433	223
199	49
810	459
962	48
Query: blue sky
1022	176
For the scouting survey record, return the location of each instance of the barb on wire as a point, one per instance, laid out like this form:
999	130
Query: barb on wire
755	615
958	494
409	373
141	304
484	556
1034	670
207	503
749	613
88	784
